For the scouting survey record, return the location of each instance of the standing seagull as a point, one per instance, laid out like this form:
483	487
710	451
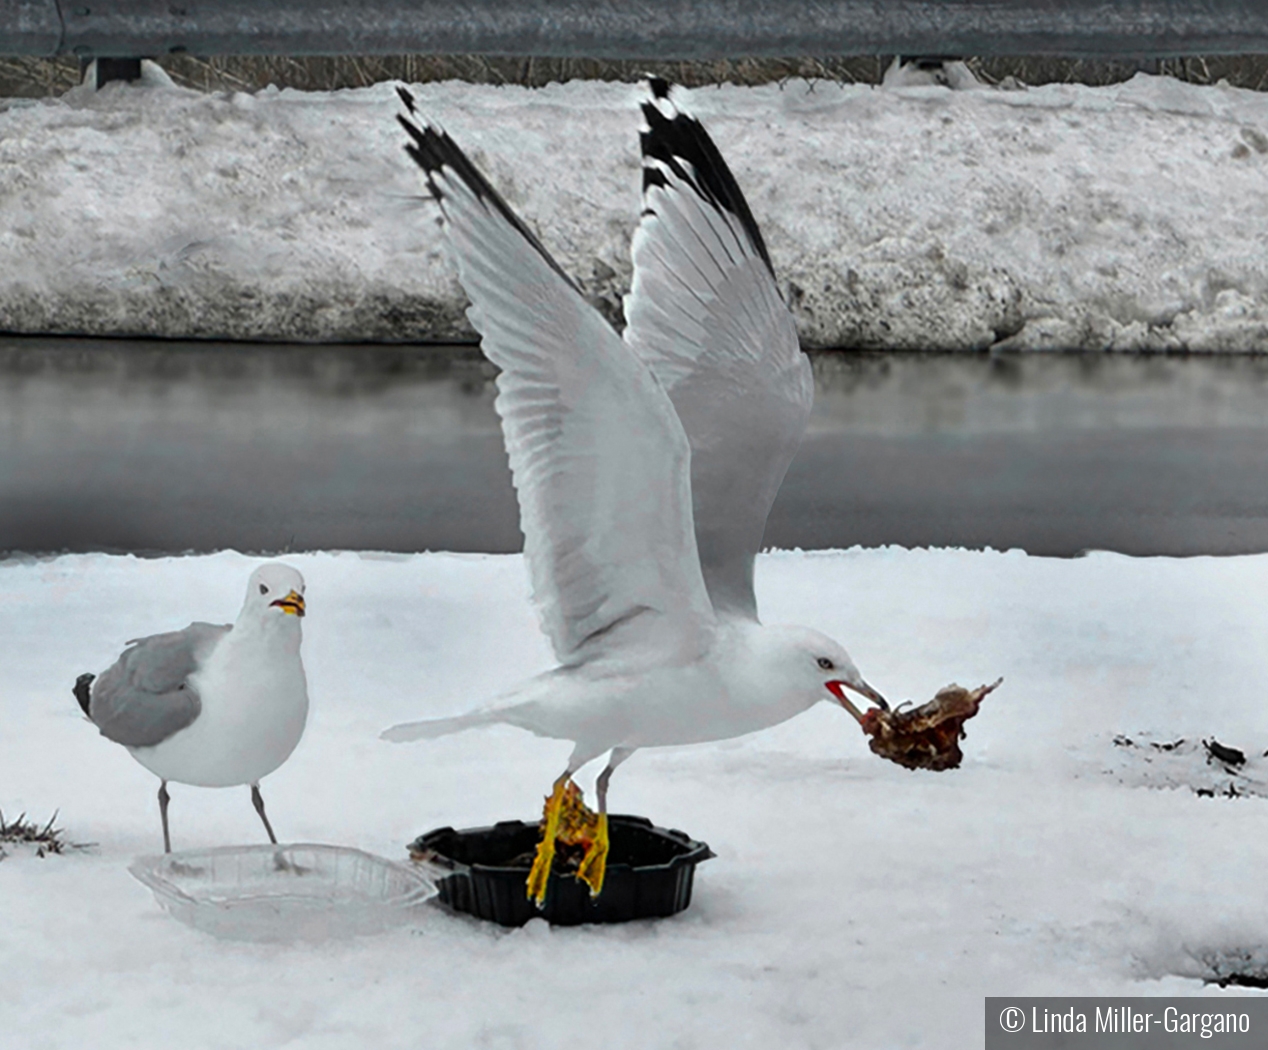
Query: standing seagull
645	466
212	705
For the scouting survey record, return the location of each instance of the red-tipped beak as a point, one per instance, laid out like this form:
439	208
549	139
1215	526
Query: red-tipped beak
293	603
837	688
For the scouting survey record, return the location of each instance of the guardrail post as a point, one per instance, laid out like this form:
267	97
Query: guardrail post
109	69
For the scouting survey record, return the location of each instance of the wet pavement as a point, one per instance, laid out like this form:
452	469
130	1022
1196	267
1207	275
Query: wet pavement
165	447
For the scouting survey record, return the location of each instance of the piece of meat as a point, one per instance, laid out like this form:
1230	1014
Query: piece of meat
925	737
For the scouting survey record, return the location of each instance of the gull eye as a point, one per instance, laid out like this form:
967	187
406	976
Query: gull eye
826	664
263	589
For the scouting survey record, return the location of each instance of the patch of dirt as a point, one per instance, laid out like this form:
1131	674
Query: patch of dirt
1240	967
1205	766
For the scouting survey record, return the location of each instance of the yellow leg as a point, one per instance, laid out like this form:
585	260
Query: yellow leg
540	875
594	865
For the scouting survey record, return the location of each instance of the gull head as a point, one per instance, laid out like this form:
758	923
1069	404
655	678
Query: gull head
823	668
275	592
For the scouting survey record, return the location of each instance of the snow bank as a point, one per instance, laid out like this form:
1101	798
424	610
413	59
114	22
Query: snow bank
1122	217
852	903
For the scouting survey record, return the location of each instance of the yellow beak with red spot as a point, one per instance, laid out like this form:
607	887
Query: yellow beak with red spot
293	603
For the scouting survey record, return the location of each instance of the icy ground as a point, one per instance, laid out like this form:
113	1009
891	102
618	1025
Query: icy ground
852	903
1130	216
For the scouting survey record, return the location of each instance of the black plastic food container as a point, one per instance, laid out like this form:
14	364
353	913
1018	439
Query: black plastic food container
649	874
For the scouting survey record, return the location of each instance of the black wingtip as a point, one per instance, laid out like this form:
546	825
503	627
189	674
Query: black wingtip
429	147
658	86
654	177
406	98
672	138
432	150
83	691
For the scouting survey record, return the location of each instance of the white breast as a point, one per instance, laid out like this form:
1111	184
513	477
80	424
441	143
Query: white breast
254	706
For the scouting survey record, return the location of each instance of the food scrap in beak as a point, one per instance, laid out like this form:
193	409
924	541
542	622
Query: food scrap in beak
838	686
926	737
293	603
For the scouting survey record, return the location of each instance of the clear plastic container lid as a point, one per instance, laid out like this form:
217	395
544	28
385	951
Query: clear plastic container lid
284	893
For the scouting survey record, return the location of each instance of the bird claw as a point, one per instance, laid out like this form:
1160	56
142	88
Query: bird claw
594	864
539	876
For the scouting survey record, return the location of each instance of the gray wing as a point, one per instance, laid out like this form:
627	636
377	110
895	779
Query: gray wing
707	318
145	696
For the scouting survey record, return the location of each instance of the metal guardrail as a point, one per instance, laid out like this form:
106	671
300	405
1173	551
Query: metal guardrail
632	29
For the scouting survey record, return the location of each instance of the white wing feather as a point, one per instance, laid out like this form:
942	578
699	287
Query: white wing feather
706	316
599	459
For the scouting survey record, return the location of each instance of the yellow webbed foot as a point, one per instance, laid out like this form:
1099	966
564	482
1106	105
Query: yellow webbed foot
540	873
567	819
594	865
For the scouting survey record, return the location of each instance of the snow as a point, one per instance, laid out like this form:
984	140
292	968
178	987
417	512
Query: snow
1064	216
852	903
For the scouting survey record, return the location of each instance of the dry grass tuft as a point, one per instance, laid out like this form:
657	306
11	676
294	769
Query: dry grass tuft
46	838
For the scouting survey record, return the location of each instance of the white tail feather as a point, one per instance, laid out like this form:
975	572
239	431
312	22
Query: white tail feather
431	728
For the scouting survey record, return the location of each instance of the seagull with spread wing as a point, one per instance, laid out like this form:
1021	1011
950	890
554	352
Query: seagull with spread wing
645	465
